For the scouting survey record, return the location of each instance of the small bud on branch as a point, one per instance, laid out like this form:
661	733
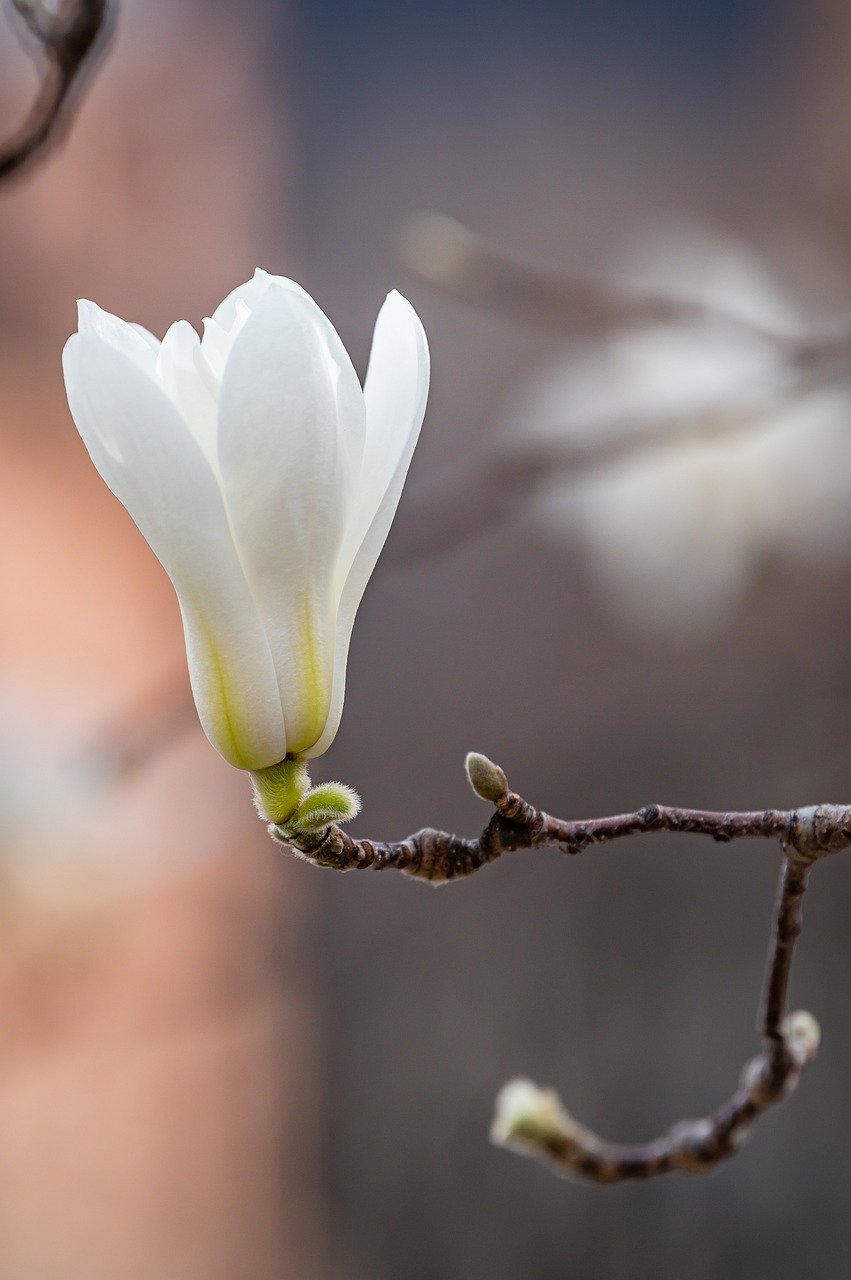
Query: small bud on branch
486	778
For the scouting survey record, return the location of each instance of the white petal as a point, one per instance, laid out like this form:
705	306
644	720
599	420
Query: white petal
180	370
136	343
222	328
226	322
250	293
150	460
395	392
290	439
146	336
215	347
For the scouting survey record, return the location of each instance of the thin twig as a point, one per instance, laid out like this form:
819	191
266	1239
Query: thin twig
533	1120
66	46
439	856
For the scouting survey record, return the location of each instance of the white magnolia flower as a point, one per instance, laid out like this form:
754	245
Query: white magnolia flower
265	479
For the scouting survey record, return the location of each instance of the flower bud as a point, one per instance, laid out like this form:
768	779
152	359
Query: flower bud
265	478
486	778
319	807
527	1116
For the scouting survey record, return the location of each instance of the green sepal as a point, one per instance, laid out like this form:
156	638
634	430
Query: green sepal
320	806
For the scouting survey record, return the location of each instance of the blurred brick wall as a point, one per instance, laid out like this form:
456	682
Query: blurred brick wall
155	1118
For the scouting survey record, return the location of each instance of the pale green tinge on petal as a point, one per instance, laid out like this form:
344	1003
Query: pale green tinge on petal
226	693
395	394
152	463
291	424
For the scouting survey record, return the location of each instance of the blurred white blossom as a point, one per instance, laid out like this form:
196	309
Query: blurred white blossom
676	529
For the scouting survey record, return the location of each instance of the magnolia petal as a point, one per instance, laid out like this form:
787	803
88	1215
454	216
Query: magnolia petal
152	463
136	343
146	336
223	327
180	372
250	294
395	394
227	321
291	425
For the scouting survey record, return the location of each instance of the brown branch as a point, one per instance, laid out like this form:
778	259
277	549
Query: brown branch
66	46
533	1120
439	856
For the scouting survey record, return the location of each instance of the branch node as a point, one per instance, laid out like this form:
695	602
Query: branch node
817	830
518	811
650	817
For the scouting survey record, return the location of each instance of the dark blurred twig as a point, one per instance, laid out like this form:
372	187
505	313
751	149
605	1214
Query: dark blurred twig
789	1041
66	43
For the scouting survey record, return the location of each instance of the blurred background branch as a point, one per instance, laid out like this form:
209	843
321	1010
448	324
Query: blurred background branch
468	499
474	270
65	39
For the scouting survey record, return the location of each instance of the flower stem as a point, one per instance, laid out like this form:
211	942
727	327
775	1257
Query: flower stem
278	789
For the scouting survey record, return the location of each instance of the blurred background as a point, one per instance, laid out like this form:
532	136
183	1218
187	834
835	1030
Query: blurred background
218	1062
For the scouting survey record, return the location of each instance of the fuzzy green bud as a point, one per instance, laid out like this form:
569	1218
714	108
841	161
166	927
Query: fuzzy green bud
319	807
486	778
